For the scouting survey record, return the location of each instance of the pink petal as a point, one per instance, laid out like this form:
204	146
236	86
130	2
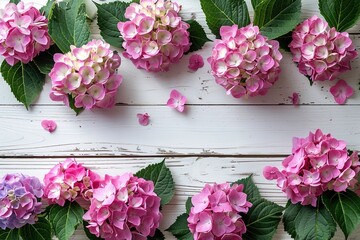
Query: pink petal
341	91
144	119
49	125
295	99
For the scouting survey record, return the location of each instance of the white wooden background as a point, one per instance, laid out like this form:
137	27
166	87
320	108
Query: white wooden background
217	139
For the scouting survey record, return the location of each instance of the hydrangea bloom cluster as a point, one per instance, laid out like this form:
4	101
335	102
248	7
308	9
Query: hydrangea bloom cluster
318	163
124	207
155	36
19	203
88	74
321	53
244	62
216	212
23	33
69	181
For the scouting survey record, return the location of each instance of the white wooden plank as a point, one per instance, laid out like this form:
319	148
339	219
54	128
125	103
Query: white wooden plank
190	175
201	130
141	87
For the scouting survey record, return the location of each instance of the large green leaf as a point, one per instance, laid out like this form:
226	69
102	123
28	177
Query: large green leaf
341	14
225	13
25	80
254	3
68	24
66	219
180	228
309	223
262	219
157	236
162	178
197	36
14	1
41	230
344	208
45	60
188	205
250	188
109	15
10	234
47	9
277	17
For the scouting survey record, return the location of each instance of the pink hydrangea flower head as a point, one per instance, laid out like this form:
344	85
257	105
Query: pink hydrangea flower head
155	35
244	62
341	91
216	212
69	181
176	100
49	125
19	200
88	75
318	163
124	207
320	52
196	61
23	33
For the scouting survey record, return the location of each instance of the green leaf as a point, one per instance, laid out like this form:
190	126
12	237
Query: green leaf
277	17
41	230
10	234
45	61
341	14
47	9
25	80
109	15
158	236
188	205
344	208
72	105
88	233
180	228
197	36
66	219
308	223
163	181
68	25
250	188
254	3
225	13
262	219
14	1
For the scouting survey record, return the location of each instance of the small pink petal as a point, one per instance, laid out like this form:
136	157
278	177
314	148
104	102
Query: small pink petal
49	125
295	99
176	100
144	119
195	62
341	91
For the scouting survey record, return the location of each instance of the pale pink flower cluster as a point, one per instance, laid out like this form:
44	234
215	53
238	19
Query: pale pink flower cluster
216	212
155	36
244	62
69	181
19	200
318	163
124	207
23	32
88	74
321	53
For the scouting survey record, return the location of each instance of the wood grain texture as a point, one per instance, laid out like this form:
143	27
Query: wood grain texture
217	139
190	175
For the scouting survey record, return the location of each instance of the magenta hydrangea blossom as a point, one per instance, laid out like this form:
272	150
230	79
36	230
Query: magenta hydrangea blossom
216	212
69	181
318	163
155	36
124	207
88	74
19	200
23	32
244	62
321	53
